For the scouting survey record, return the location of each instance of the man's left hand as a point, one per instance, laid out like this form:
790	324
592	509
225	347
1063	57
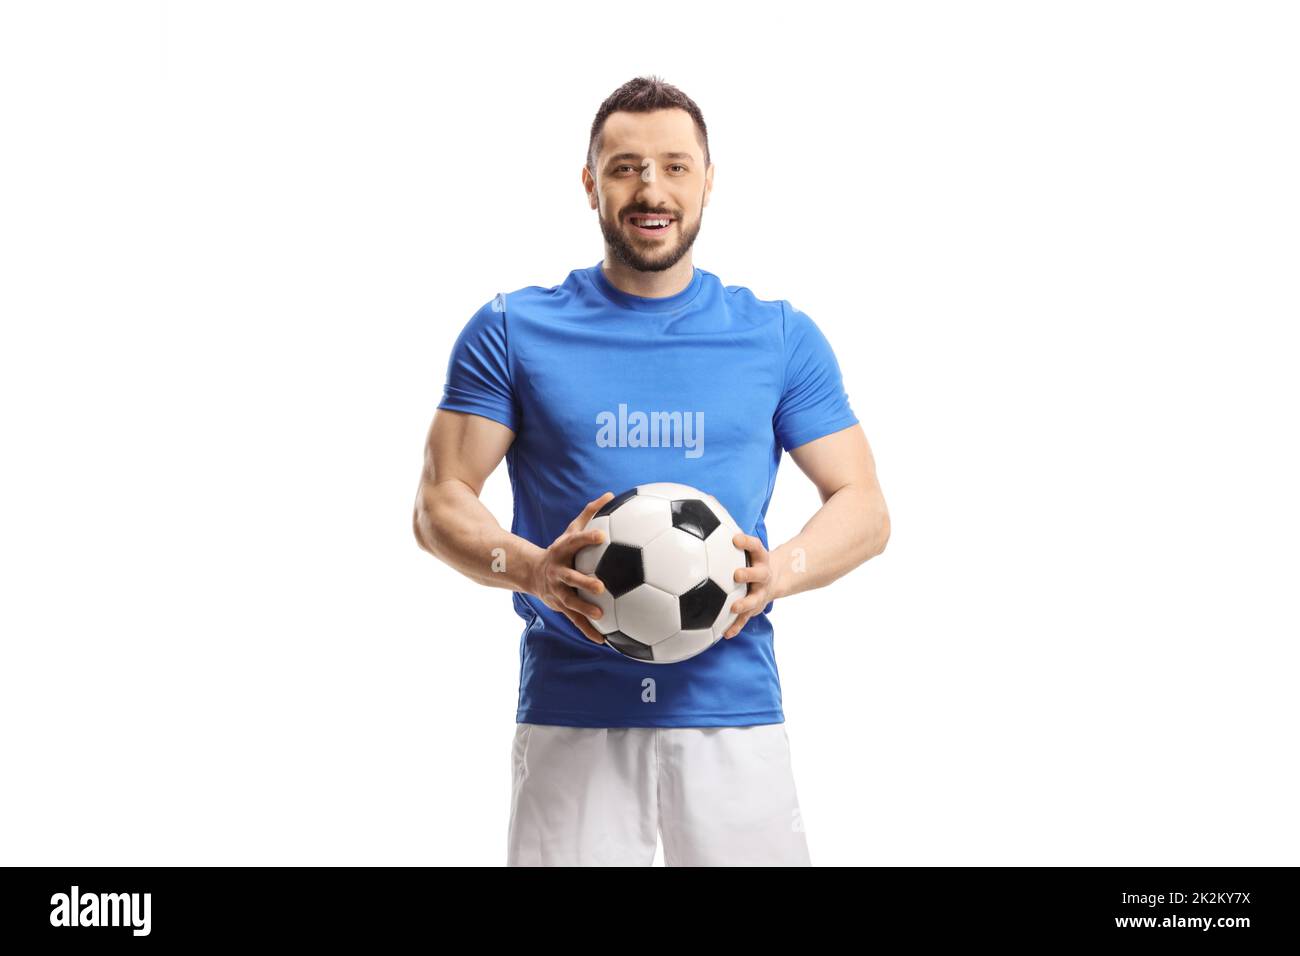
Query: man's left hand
762	578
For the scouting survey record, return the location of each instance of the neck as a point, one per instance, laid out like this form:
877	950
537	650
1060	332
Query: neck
652	285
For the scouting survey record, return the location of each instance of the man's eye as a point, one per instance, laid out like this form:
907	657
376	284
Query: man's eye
620	168
678	166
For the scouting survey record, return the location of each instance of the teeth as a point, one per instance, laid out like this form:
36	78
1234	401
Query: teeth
650	222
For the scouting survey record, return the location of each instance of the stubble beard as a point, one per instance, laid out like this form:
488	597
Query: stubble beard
645	258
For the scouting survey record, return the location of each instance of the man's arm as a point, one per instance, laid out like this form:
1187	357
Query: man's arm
852	524
453	525
450	521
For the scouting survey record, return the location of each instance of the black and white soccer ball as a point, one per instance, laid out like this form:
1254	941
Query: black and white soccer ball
668	563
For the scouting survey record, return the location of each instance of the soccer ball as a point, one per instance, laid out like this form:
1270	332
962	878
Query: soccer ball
668	566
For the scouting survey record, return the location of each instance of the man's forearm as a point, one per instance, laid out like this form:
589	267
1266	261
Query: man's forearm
850	528
454	525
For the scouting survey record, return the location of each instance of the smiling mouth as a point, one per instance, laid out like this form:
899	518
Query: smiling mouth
650	225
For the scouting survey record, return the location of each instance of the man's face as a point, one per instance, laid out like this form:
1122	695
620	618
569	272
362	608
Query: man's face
648	164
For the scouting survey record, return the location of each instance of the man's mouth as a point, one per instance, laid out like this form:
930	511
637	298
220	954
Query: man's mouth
650	225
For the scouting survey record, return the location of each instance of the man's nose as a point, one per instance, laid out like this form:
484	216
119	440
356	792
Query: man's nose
652	196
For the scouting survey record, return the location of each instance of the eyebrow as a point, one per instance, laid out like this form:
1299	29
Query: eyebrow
619	157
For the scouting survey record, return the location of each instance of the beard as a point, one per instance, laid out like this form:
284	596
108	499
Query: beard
646	255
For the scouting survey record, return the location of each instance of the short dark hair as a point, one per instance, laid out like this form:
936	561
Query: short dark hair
644	95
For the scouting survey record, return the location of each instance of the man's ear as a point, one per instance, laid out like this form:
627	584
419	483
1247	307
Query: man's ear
589	184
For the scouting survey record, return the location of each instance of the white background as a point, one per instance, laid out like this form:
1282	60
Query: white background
1055	249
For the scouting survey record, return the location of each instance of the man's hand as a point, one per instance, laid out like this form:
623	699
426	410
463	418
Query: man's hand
762	578
555	579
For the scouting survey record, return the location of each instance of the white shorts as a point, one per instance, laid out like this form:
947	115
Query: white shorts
596	796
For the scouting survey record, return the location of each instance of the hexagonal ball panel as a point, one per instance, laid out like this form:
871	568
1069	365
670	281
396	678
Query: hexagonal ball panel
675	561
639	520
647	614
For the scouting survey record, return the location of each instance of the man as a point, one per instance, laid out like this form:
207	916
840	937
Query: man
610	751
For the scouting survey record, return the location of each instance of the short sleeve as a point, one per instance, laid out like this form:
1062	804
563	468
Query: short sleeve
813	401
478	371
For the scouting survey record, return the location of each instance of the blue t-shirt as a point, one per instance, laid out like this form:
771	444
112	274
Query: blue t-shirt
553	364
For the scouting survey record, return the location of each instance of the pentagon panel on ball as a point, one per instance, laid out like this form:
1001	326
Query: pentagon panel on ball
668	563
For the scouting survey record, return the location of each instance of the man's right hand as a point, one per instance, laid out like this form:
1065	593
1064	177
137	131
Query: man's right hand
556	580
